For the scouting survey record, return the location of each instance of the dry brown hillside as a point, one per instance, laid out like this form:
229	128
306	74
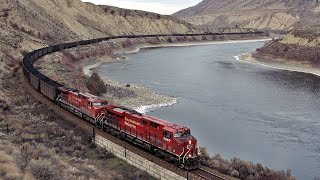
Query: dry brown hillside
28	24
302	46
40	144
276	15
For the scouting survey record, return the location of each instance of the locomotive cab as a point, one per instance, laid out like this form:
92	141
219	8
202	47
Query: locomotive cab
183	136
187	149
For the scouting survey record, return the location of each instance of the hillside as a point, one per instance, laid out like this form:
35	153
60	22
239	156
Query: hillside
301	47
27	24
40	144
276	15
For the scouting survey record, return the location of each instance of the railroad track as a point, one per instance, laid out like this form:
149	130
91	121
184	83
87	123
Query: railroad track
208	175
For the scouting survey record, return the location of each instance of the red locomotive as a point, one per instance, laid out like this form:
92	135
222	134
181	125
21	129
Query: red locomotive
166	139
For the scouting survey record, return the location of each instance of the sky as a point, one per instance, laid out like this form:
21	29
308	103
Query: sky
166	7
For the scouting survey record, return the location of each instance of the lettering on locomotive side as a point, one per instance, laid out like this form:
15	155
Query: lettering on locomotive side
131	123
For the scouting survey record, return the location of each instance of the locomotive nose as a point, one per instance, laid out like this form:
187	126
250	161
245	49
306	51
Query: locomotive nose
191	146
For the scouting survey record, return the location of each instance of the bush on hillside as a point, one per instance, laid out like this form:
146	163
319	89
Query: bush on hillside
96	85
242	169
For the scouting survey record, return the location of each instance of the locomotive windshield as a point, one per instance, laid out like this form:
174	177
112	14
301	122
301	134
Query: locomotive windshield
178	134
181	133
187	132
100	103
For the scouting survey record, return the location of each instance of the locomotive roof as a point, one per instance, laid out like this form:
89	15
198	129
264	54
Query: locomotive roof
169	125
91	97
132	113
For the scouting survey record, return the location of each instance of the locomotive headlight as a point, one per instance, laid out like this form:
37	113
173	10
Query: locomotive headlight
189	141
189	155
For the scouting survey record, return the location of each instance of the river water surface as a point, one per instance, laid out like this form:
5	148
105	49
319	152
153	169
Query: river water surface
233	108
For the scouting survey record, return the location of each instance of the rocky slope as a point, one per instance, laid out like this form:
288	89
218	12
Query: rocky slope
300	46
276	15
39	144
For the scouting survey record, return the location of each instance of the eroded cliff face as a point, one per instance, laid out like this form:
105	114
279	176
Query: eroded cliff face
276	15
306	37
298	45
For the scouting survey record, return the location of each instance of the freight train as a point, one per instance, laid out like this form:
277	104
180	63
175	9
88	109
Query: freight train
163	138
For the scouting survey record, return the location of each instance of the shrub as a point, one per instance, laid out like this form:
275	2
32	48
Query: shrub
127	43
69	56
4	107
24	52
242	169
44	169
15	26
6	13
105	51
96	85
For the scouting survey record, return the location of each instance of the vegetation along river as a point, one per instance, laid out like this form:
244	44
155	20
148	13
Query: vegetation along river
234	108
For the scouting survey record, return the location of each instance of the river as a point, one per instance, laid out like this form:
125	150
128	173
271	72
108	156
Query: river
234	108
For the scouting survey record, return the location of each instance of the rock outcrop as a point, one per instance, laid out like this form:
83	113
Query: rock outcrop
298	45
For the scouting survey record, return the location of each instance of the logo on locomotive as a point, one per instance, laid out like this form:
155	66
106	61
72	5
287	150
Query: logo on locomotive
131	123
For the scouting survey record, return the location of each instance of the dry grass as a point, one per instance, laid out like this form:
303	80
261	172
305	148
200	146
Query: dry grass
8	167
5	158
28	176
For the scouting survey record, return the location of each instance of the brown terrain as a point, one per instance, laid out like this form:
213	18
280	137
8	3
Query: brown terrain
38	144
298	47
274	15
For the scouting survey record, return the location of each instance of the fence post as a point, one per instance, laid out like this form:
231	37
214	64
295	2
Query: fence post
125	149
187	173
94	134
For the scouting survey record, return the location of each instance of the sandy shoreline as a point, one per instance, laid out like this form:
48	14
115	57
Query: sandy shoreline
280	64
147	99
165	45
